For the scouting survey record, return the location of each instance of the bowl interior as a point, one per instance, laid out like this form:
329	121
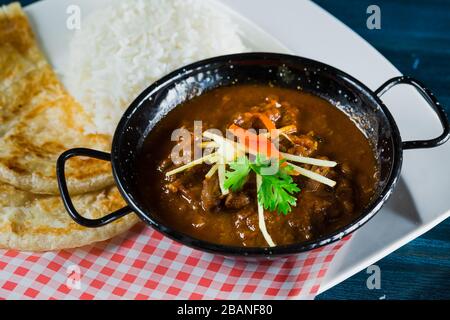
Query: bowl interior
346	93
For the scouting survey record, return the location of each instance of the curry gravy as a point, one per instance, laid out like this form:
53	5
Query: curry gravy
323	132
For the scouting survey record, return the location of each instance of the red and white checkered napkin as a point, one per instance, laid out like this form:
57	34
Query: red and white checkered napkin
143	264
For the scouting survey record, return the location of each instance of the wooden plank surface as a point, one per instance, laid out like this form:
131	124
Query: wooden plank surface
415	37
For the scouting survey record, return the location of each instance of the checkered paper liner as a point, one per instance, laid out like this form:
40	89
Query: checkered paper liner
143	264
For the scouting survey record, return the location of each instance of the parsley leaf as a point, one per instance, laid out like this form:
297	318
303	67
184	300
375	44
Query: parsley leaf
236	179
276	192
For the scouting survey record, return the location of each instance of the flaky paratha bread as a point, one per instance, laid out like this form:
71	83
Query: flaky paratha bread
39	119
31	222
23	69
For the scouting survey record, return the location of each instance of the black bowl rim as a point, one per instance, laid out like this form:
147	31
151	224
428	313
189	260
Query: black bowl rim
235	251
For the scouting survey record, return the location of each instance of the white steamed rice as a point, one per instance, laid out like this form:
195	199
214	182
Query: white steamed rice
125	47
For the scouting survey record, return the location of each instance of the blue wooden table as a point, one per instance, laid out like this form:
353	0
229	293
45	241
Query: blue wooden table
415	37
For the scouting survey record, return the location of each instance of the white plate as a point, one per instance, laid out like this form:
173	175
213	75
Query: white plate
421	200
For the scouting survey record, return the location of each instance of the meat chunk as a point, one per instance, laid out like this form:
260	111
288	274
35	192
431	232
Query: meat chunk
289	115
244	120
344	191
270	108
246	226
298	228
313	185
188	193
210	195
303	145
237	200
273	113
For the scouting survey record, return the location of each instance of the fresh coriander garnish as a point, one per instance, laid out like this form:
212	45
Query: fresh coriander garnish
236	179
276	193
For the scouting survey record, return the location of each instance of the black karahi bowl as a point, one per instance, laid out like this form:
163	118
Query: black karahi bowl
357	101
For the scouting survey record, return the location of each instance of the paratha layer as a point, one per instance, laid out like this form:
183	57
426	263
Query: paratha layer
23	69
39	119
30	222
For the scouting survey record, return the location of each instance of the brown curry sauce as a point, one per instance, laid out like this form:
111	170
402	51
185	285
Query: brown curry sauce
191	205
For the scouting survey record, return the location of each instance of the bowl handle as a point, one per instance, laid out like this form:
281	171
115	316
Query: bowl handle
68	204
432	102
